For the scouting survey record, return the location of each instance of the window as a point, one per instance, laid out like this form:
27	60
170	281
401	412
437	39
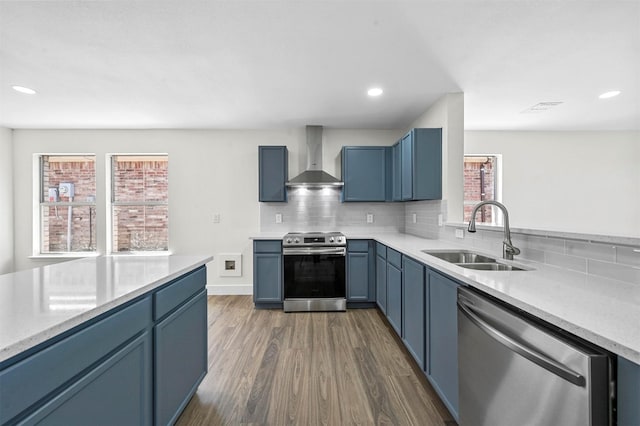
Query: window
67	199
482	182
139	203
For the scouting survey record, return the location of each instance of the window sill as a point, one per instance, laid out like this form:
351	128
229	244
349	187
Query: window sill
64	255
142	253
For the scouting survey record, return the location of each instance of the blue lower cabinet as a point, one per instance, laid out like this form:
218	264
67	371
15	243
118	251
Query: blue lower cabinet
442	338
394	297
40	375
122	368
267	272
360	271
413	308
180	350
628	393
381	283
116	392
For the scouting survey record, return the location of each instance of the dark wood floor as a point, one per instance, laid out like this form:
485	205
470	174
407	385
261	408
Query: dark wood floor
271	368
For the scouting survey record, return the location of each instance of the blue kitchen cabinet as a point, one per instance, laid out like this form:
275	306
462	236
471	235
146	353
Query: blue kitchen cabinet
413	308
116	392
360	271
267	273
117	368
628	393
180	348
273	172
381	277
394	290
396	173
441	323
364	172
421	165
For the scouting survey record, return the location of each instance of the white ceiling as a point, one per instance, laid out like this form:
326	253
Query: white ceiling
274	64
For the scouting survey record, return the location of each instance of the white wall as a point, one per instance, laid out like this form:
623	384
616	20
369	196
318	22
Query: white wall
6	195
448	113
585	182
210	171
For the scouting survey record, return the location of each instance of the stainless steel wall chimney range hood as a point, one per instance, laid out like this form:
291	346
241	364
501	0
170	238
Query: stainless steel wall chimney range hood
314	176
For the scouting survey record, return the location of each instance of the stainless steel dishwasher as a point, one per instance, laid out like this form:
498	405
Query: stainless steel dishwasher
515	371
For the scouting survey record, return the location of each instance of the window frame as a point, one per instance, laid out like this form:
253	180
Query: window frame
40	202
497	217
111	203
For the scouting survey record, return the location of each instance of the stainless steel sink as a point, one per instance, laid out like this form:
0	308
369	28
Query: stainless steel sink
460	256
491	267
471	260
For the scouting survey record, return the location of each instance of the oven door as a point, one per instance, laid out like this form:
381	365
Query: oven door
314	273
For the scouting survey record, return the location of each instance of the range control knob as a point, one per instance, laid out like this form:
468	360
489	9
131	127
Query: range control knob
288	240
297	240
330	239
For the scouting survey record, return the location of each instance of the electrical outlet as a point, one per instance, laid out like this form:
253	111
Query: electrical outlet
414	218
216	218
278	217
369	217
459	233
440	219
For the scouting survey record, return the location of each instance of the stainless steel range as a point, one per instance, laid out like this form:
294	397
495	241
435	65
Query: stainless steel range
314	271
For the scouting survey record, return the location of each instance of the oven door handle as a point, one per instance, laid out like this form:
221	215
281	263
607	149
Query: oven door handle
340	251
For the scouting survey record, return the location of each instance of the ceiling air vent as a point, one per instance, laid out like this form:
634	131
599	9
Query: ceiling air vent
541	107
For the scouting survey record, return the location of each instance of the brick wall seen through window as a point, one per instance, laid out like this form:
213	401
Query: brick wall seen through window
480	183
67	203
140	203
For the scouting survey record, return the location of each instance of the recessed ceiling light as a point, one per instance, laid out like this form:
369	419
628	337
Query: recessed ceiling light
608	95
25	90
374	91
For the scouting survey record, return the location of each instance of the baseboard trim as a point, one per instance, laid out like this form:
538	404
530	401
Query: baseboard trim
229	289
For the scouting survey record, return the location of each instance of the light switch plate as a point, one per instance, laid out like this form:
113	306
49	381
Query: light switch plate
414	218
278	217
369	217
440	219
459	233
216	218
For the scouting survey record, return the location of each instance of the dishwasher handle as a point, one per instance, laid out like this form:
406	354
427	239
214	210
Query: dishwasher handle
529	353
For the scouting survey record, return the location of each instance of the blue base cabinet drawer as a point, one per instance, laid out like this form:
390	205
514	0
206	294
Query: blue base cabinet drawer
117	392
177	292
180	350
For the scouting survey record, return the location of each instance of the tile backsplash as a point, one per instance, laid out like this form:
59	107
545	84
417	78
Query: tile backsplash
322	210
605	259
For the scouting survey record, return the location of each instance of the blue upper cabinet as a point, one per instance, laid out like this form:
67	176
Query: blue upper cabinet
364	171
421	165
273	172
396	170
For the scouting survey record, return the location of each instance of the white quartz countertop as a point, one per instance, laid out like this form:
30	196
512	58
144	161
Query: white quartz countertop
600	310
41	303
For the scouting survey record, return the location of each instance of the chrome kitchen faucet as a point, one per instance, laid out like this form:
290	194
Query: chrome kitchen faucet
508	249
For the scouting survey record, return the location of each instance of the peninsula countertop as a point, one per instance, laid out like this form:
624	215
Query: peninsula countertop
41	303
603	311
